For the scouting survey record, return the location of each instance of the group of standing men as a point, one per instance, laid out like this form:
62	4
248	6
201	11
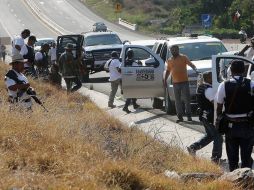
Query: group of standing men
24	61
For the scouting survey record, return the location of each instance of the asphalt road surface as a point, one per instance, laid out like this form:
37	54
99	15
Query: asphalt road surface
74	17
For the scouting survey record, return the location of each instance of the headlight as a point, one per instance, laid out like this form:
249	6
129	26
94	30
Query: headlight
88	55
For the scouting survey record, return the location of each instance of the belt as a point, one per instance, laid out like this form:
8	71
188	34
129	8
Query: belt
238	120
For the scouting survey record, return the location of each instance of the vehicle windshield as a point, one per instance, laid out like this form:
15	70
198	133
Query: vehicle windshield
106	39
201	50
40	42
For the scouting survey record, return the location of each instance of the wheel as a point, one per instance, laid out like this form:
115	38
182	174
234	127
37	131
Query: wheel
157	103
85	77
169	105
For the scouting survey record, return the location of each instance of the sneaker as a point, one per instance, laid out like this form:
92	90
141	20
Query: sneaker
111	106
136	106
126	110
179	120
191	151
189	119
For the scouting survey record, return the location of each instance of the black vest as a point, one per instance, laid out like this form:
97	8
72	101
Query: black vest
206	106
30	54
203	102
243	101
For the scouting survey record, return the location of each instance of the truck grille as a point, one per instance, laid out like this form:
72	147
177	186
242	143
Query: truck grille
104	54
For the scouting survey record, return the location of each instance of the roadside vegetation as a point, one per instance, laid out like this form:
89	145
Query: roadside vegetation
76	145
172	16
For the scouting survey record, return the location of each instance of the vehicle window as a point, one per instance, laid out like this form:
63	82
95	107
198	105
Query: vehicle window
164	52
202	50
223	68
40	42
141	57
106	39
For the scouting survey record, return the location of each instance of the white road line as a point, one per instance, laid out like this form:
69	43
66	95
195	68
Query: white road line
6	30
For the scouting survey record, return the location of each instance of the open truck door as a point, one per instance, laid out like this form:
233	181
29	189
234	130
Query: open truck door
221	68
144	79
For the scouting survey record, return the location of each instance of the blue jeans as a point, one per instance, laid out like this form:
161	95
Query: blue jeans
211	135
182	92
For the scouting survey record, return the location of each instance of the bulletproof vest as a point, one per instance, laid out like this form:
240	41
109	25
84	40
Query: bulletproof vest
241	92
203	102
45	58
30	54
12	75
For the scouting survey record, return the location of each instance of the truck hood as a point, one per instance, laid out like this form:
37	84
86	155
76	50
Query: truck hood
202	65
103	47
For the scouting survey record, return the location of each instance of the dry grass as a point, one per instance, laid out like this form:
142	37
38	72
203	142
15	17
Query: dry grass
78	146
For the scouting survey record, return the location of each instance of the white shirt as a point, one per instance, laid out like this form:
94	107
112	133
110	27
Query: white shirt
52	53
17	40
221	95
250	54
114	74
210	93
38	56
10	82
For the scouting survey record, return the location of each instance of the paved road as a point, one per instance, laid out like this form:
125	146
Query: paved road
15	16
74	17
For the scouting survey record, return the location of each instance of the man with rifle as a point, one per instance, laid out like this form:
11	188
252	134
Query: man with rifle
19	90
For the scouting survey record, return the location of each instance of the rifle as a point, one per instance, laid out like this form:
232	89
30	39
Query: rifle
12	75
32	94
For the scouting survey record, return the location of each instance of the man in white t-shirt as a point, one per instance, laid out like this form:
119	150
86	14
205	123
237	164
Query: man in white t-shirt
17	84
19	41
114	77
250	48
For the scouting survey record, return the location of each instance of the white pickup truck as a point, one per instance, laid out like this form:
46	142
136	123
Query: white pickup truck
146	80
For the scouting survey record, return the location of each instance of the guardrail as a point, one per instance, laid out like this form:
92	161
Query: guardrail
34	8
127	24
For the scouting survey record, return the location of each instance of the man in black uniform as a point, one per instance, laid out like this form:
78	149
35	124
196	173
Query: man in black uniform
130	62
27	51
205	97
237	97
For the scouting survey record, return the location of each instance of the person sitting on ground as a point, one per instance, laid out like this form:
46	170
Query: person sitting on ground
205	99
54	77
17	85
130	62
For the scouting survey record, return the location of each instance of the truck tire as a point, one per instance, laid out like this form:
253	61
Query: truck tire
169	105
157	103
85	77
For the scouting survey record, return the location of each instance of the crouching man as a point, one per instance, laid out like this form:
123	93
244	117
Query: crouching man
17	85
